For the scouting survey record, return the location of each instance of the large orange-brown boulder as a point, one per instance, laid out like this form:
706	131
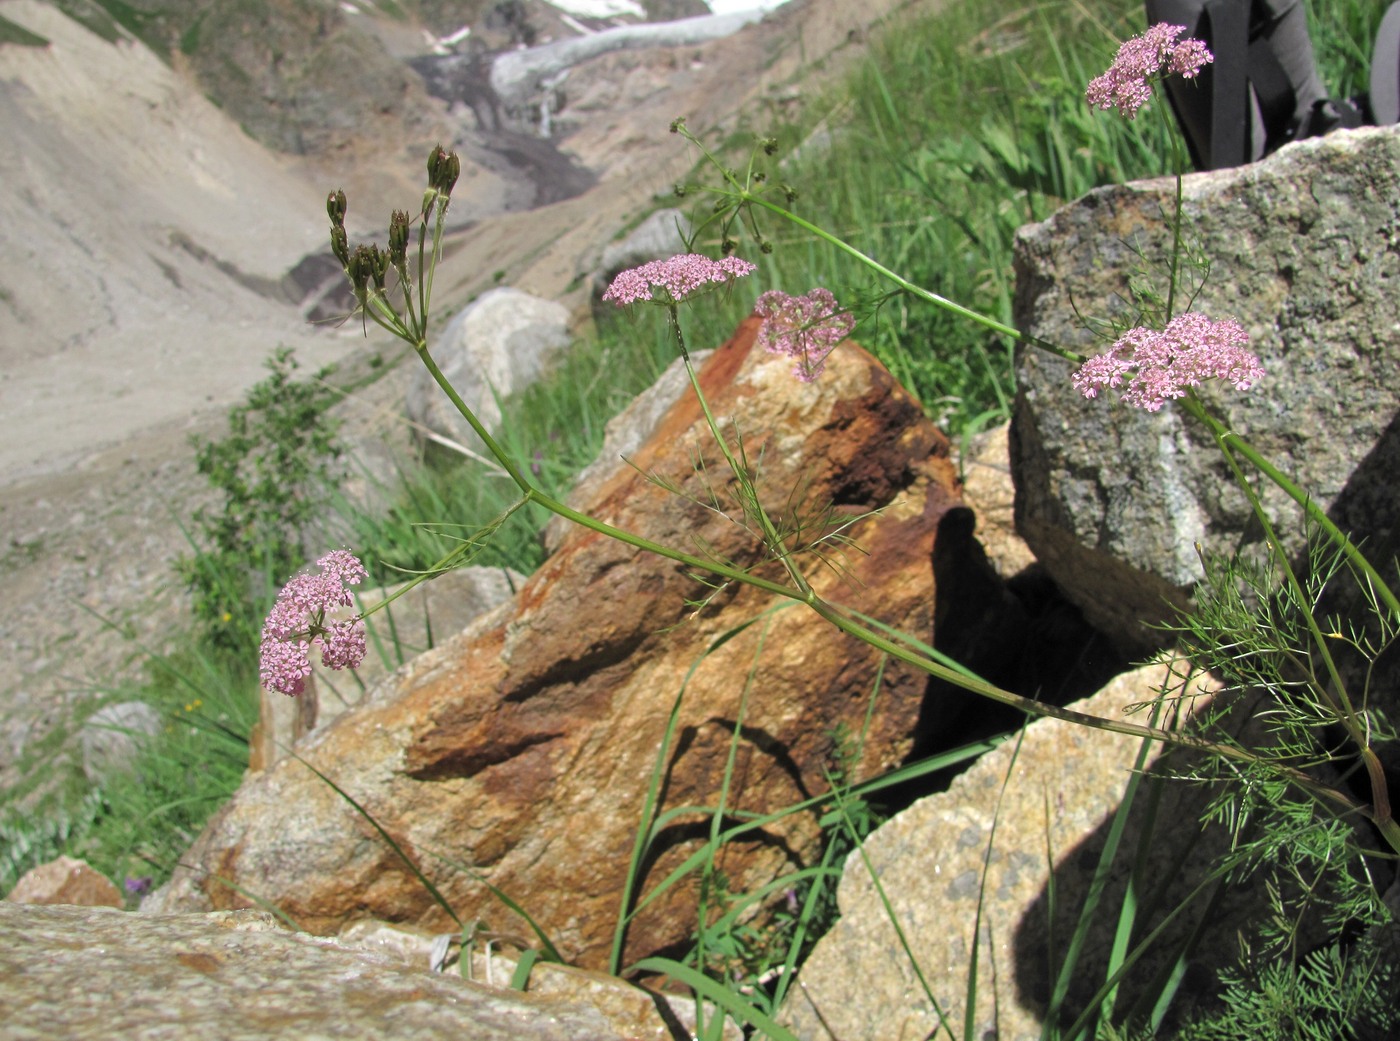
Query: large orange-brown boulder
520	751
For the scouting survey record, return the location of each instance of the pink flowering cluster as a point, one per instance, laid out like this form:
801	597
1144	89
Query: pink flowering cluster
1157	366
298	622
671	281
806	328
1126	85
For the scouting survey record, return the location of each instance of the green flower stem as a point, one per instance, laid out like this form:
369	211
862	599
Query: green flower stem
1334	693
423	276
747	197
427	293
1223	435
1175	258
384	316
1040	708
534	495
1340	705
414	326
770	534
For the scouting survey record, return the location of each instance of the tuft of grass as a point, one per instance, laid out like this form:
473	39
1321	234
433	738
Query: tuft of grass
137	823
1343	34
19	35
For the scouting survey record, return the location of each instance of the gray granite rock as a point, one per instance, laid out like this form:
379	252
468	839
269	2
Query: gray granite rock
112	737
93	974
1064	786
656	238
1304	250
497	346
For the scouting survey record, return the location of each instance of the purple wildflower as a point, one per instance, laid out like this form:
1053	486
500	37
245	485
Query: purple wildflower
671	281
1157	366
139	886
1126	85
807	328
297	623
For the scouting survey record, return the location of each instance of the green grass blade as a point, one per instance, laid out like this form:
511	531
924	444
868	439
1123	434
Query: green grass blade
626	910
718	994
423	879
893	918
521	977
1097	885
970	1006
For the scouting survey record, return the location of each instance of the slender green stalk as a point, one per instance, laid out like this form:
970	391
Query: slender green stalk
1174	260
750	198
717	818
771	539
893	918
1102	875
1196	409
533	494
970	991
1334	694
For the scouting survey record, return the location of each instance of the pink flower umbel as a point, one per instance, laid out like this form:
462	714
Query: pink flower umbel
1157	366
671	281
807	328
1127	83
298	622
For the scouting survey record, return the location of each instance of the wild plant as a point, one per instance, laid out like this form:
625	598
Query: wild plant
1290	804
271	473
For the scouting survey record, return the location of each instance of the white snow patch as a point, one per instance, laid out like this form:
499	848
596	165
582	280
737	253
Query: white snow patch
599	8
445	44
735	6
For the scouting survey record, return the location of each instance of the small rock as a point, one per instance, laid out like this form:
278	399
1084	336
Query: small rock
497	346
659	236
112	736
65	881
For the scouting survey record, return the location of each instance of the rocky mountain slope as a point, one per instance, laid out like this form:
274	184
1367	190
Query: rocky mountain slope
165	249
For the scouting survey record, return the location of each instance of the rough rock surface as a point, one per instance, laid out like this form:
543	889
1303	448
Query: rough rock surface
1304	252
985	467
65	881
522	748
498	345
494	960
622	436
938	858
93	974
111	738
